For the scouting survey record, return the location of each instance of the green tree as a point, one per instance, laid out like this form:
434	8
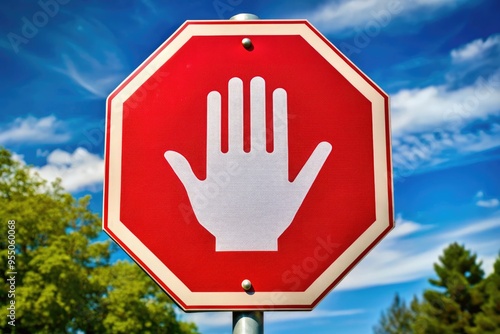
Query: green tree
488	320
452	306
64	281
397	320
461	300
135	304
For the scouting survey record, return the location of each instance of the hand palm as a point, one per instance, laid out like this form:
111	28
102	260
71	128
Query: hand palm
246	200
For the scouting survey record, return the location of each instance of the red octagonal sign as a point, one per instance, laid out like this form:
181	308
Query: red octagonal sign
247	165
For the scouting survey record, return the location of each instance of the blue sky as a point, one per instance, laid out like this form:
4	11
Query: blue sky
439	61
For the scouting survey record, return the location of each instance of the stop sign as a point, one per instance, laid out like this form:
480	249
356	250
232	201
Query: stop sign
248	165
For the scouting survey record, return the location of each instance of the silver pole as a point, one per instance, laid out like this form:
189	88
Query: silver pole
248	322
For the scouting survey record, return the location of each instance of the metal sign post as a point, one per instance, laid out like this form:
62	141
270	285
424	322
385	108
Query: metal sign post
247	322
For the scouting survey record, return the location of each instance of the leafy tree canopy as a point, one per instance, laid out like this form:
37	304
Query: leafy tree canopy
64	281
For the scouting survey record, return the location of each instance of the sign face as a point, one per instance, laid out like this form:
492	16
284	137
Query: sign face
248	165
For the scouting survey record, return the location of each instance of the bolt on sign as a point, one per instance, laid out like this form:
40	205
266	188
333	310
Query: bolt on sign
248	165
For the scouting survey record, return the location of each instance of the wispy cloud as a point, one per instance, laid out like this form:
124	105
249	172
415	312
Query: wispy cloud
335	16
97	77
420	109
476	49
475	228
84	51
45	130
438	125
389	263
206	321
406	228
96	64
408	256
489	203
417	153
426	108
78	170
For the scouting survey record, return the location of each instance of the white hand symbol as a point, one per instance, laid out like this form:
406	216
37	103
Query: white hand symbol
246	200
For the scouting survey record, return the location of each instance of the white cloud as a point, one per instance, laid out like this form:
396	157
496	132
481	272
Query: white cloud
472	229
405	228
335	16
99	79
488	263
486	202
397	260
99	66
431	125
95	63
206	320
428	108
390	262
46	130
386	266
78	170
489	203
19	158
439	125
475	49
413	153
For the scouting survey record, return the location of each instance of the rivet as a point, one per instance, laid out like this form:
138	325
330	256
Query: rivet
246	285
247	43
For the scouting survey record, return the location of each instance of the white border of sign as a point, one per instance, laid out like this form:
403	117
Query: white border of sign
305	300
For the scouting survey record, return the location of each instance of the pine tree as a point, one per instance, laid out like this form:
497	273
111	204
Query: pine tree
452	306
461	300
488	321
397	319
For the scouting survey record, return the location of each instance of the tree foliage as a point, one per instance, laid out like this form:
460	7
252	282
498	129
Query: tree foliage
64	281
461	300
397	320
452	306
487	321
